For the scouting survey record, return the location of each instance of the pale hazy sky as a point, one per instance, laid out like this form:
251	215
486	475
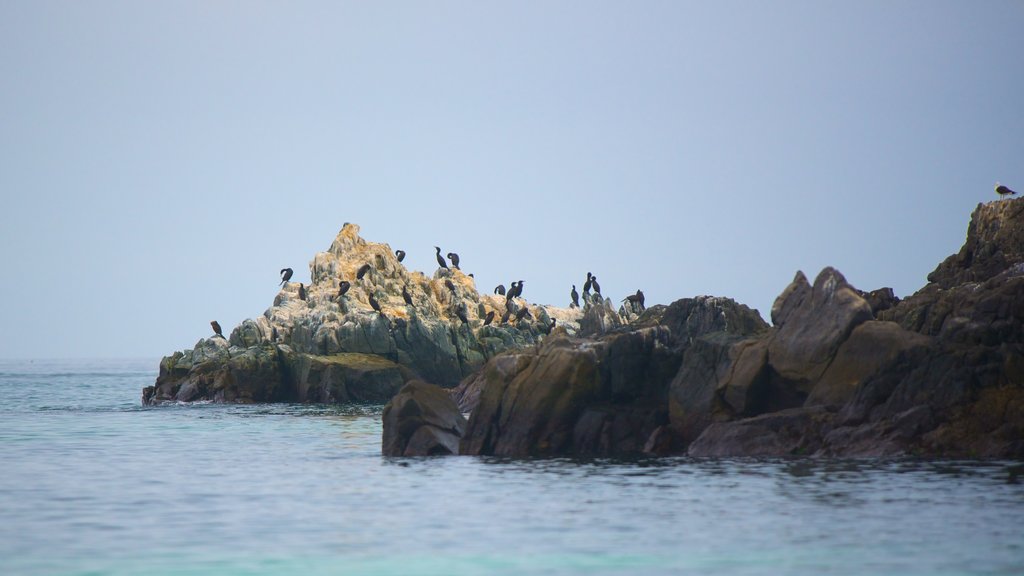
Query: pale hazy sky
161	161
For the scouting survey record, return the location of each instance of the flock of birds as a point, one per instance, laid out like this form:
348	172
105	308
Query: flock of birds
515	290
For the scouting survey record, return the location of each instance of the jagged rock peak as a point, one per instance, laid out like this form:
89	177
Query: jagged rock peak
995	243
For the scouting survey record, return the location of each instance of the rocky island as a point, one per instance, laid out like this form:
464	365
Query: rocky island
839	372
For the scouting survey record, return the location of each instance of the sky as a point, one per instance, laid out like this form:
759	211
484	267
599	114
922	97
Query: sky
160	162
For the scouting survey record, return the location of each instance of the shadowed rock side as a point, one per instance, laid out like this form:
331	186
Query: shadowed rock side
594	396
421	420
331	348
841	373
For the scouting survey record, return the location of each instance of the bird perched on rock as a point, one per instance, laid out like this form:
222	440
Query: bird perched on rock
635	300
489	318
216	328
400	254
1003	190
343	287
440	259
286	275
302	291
505	316
523	313
362	271
455	260
461	315
449	284
586	285
499	289
406	296
595	285
515	291
373	302
575	297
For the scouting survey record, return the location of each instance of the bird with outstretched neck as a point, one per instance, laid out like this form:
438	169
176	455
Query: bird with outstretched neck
440	259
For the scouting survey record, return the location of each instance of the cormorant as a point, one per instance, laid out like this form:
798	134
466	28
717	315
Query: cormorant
440	259
635	299
519	289
511	292
343	287
586	285
504	317
216	328
449	284
575	296
286	275
302	291
523	313
595	285
373	302
455	260
499	289
362	271
400	254
510	306
1003	190
461	315
489	318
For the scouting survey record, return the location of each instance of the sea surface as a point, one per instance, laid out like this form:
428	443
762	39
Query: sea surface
91	482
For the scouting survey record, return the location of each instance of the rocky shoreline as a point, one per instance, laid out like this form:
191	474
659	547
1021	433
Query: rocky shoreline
839	373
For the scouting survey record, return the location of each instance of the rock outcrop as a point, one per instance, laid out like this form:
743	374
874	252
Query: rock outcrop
322	347
601	396
421	420
842	372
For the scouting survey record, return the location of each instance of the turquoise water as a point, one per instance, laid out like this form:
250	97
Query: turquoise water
93	483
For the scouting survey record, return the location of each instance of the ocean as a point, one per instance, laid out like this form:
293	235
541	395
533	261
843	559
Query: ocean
94	483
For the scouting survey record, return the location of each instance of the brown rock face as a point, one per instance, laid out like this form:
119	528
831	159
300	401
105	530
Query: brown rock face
812	322
575	397
421	420
995	243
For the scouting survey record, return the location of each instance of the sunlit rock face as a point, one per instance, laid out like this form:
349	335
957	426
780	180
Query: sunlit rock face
331	348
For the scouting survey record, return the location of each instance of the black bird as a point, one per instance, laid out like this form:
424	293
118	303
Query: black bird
440	259
523	313
449	284
302	291
343	287
286	275
519	289
400	254
511	292
373	303
216	328
489	318
504	317
1003	190
586	285
635	300
455	260
499	289
362	271
406	296
575	296
595	285
461	314
510	306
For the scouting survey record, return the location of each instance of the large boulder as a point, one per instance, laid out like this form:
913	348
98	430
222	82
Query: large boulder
575	397
421	420
811	323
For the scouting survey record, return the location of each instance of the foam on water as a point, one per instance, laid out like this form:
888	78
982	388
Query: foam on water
94	483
